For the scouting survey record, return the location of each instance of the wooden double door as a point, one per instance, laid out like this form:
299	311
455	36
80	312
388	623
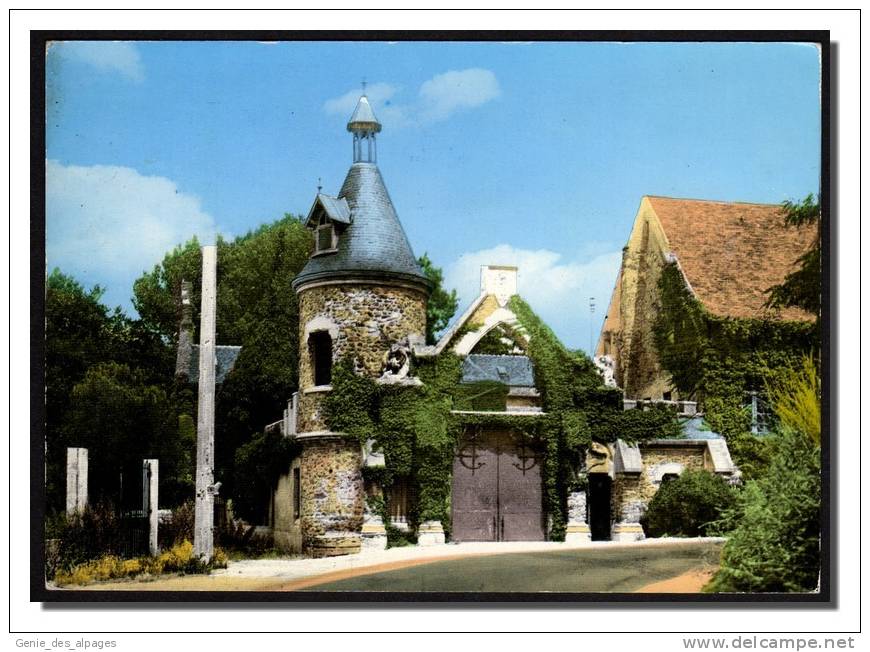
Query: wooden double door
497	492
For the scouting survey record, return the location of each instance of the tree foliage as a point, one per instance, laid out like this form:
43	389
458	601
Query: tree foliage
256	308
95	360
441	305
258	464
802	288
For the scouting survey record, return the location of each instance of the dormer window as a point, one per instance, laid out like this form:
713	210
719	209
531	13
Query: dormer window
328	218
326	240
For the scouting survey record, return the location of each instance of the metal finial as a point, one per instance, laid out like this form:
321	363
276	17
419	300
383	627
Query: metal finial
319	185
364	86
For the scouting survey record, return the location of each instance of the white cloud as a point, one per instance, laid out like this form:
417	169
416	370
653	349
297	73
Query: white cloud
557	289
106	56
454	90
437	99
107	224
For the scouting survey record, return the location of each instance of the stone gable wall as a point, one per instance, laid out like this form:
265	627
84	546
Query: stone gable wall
632	345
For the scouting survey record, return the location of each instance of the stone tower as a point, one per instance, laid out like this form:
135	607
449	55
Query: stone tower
361	294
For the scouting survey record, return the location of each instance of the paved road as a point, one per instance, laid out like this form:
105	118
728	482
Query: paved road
619	569
519	566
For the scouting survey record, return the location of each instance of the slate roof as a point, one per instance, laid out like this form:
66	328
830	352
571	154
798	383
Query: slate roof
513	370
336	209
226	358
374	245
732	252
697	428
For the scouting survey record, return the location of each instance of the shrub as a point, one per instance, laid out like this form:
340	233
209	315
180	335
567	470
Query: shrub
687	505
773	530
179	526
242	540
796	399
178	559
80	537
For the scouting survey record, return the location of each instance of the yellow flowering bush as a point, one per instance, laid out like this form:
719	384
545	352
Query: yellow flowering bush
178	559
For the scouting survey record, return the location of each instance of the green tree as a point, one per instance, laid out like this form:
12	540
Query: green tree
441	305
77	336
121	419
256	308
802	288
81	334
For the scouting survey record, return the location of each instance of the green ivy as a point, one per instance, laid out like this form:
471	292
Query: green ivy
717	360
579	410
418	431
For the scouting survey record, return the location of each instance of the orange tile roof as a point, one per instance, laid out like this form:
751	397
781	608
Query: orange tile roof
732	252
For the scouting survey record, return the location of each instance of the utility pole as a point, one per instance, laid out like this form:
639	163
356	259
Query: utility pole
203	536
592	327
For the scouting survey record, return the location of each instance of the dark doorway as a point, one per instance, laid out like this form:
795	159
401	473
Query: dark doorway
497	491
599	506
320	344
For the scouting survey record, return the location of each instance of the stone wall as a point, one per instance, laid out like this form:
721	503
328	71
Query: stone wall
332	497
363	320
632	492
286	525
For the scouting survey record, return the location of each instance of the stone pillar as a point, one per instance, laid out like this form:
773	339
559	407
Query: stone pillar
76	480
578	529
628	527
203	535
332	495
374	534
430	533
149	501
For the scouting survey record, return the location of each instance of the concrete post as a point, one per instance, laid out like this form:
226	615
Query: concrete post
149	501
76	480
203	536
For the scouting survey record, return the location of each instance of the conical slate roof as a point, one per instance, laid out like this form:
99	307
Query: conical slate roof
374	244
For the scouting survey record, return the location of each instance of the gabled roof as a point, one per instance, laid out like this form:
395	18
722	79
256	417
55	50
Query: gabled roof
335	208
731	253
374	244
513	370
225	359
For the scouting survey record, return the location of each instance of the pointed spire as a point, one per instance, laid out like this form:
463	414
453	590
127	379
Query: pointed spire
364	126
363	119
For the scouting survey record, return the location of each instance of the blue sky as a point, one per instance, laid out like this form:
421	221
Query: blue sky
534	154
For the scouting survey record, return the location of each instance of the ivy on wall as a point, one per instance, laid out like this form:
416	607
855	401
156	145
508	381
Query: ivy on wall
717	360
418	432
